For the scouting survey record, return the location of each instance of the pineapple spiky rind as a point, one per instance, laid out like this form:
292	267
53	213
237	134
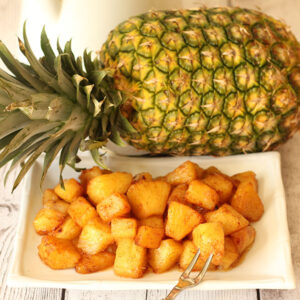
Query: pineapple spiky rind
211	81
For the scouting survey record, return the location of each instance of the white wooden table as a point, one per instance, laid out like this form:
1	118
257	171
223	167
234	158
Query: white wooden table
288	10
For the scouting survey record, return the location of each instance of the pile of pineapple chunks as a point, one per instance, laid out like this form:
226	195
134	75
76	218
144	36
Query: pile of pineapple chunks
139	223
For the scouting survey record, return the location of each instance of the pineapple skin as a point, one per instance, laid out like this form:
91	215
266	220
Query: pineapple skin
214	81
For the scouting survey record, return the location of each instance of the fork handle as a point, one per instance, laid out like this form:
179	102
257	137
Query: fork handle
173	293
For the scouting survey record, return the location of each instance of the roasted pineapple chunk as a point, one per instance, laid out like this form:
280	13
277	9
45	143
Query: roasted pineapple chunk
243	238
181	220
59	205
71	192
142	176
122	228
149	237
88	174
166	256
115	205
131	259
201	194
94	263
211	170
188	253
58	253
221	184
154	221
199	171
49	194
105	185
230	219
230	254
185	173
178	193
247	202
47	220
95	237
245	176
209	237
81	211
67	230
148	198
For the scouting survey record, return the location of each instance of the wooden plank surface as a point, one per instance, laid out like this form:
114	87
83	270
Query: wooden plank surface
9	24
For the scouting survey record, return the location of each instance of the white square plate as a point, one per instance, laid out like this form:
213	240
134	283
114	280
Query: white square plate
267	265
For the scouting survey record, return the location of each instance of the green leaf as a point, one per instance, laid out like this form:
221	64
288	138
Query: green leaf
116	138
98	158
6	140
69	59
48	51
51	140
87	58
17	92
19	70
81	99
63	80
88	90
124	124
13	121
80	66
74	146
52	153
26	133
21	157
63	159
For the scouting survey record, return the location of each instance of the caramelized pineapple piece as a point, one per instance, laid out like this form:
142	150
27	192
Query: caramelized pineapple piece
71	192
88	174
230	219
149	237
199	171
154	221
245	176
188	253
209	237
115	205
122	228
211	170
201	194
142	176
82	211
94	263
185	173
131	259
230	254
48	195
58	253
165	257
59	205
148	198
181	220
67	230
105	185
95	237
178	193
221	184
243	238
247	202
47	220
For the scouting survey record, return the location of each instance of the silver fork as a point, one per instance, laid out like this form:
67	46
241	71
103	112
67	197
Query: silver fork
185	281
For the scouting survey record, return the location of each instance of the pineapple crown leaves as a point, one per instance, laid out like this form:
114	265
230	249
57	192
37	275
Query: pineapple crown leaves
56	104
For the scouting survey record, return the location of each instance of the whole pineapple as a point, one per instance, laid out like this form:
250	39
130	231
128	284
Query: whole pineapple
187	82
